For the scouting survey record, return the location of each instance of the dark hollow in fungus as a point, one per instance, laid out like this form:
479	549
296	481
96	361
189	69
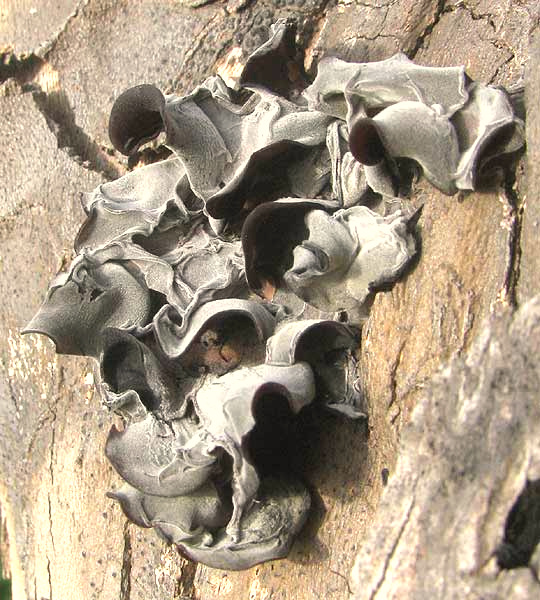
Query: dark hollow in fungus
273	440
269	234
365	142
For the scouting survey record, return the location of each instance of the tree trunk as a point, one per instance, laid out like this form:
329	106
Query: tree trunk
413	504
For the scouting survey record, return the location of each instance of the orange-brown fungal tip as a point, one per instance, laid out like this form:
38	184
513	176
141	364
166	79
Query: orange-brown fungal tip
268	289
365	142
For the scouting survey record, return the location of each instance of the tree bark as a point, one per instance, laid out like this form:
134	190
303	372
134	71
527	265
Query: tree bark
413	504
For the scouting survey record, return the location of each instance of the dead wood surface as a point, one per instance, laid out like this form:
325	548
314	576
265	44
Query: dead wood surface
456	447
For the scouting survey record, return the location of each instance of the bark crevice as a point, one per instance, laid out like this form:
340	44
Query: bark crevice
125	573
515	207
77	144
423	37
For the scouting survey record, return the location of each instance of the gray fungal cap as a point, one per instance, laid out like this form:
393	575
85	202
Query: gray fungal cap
222	290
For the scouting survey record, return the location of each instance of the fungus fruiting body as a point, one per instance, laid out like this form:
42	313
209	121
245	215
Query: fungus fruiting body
221	290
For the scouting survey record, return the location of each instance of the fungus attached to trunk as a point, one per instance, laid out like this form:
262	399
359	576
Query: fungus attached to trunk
222	289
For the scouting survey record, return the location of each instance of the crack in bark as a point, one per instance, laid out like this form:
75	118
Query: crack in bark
309	44
13	395
47	47
71	138
53	413
368	5
493	78
379	34
344	579
439	11
49	577
5	567
21	68
46	416
51	471
11	65
368	38
184	584
468	322
395	544
60	117
461	4
320	13
393	383
514	203
195	45
489	18
125	573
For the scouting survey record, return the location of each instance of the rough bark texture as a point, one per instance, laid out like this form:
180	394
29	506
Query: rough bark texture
443	527
457	446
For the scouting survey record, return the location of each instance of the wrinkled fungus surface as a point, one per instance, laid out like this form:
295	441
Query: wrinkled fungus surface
227	283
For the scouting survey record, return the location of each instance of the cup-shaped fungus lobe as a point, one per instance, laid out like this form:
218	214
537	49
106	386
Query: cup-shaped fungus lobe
136	118
80	305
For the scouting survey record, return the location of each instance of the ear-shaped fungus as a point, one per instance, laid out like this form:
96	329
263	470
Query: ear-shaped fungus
225	407
256	183
175	340
487	128
187	519
348	255
331	261
433	115
92	296
134	204
397	79
409	130
226	148
151	272
160	291
136	118
365	142
268	529
328	347
134	381
269	234
160	458
346	89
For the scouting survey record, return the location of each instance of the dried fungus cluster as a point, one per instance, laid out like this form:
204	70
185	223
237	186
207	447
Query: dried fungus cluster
221	290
